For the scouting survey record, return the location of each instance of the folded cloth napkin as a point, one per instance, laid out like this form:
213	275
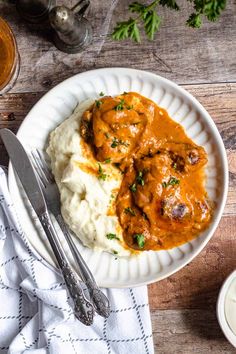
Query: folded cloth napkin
35	316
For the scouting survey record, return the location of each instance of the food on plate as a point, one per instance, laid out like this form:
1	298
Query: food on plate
130	178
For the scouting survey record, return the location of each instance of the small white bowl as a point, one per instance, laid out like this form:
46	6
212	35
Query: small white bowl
220	309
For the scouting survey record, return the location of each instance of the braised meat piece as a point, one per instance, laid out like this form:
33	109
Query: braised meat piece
162	201
186	157
116	126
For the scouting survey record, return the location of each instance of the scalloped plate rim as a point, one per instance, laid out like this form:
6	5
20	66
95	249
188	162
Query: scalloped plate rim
149	278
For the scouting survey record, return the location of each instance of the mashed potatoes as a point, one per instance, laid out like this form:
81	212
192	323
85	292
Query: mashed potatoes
86	199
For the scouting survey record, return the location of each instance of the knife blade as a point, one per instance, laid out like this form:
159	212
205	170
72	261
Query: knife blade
24	170
83	309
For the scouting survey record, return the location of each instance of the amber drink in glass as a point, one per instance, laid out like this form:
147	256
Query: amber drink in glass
9	58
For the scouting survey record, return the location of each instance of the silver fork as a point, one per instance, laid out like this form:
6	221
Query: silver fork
52	196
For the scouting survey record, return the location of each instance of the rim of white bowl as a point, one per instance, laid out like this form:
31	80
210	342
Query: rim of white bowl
220	309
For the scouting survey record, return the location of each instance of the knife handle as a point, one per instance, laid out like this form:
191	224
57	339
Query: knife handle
100	301
83	309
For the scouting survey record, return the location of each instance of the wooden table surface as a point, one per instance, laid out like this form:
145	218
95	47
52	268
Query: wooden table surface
203	62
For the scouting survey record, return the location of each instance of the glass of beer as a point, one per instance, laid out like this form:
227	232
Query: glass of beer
9	58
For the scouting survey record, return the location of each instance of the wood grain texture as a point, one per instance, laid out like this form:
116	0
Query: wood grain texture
197	285
181	54
218	99
188	332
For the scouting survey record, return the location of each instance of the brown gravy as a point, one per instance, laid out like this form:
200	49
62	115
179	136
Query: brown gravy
162	202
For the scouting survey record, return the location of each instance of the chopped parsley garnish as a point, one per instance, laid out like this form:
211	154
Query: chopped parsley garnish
116	142
174	165
130	211
164	184
133	188
172	182
98	103
108	160
140	179
140	239
115	252
101	94
112	237
130	107
101	174
120	105
107	135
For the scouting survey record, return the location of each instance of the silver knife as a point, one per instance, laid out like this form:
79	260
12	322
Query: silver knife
83	309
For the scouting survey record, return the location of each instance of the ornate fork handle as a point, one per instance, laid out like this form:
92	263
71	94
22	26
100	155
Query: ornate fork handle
100	301
83	309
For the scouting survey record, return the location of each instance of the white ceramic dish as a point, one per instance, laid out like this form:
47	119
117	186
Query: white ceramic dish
220	309
59	103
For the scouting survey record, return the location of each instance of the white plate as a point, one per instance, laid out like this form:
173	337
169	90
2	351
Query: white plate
59	103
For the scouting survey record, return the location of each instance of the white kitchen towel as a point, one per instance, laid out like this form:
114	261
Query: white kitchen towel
35	316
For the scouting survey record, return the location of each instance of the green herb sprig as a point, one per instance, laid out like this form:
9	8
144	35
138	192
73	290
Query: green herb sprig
120	105
98	103
140	239
130	29
133	187
129	211
172	182
101	174
116	142
112	237
211	9
140	179
149	18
